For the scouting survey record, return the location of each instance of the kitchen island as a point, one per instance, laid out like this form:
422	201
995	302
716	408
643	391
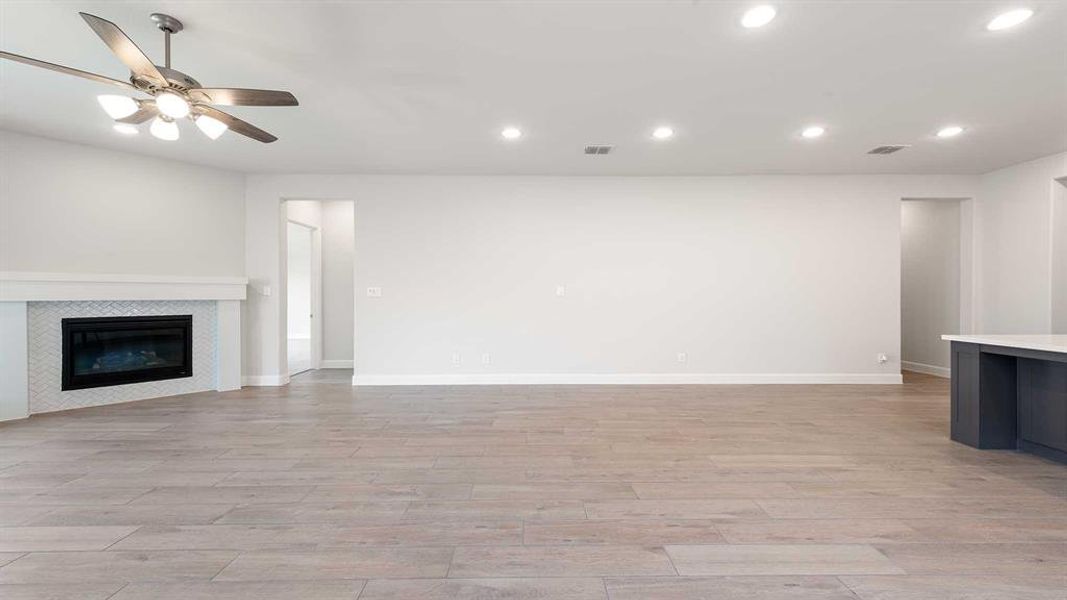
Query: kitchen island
1010	392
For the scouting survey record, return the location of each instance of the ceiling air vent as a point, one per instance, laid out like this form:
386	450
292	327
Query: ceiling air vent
599	149
888	149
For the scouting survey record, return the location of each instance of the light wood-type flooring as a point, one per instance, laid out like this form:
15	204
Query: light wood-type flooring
319	490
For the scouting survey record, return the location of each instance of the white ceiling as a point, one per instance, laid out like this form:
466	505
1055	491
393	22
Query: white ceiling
425	87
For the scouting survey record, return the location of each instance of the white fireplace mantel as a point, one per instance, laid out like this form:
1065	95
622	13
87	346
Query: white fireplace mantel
19	288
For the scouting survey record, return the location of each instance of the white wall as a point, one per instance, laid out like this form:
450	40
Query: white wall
68	208
298	288
930	281
1015	246
1059	257
338	291
752	277
71	208
14	350
681	245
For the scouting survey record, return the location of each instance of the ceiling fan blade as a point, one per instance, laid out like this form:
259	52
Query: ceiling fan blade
69	71
237	125
124	48
147	111
246	97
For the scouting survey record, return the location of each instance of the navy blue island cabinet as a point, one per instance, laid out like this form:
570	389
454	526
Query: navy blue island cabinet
1010	392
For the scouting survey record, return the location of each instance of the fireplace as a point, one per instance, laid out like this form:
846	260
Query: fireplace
105	351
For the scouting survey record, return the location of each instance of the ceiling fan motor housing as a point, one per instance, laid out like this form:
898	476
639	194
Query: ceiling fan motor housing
178	80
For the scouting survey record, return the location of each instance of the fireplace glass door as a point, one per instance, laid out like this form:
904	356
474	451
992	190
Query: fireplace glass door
118	350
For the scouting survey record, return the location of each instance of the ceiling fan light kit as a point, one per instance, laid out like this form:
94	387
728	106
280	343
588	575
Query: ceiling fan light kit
117	107
174	95
172	105
164	128
213	128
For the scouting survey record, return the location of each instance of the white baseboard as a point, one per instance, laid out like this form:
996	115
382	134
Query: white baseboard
927	369
264	380
629	379
336	364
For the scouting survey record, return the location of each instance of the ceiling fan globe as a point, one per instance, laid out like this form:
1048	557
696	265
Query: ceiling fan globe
213	128
164	129
117	107
172	105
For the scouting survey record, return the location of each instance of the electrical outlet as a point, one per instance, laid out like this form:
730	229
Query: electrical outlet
561	291
683	357
265	290
374	292
457	358
487	359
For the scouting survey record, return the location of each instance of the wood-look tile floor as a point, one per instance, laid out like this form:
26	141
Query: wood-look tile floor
321	491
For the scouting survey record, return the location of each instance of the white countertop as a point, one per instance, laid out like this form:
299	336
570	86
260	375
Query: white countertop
1047	343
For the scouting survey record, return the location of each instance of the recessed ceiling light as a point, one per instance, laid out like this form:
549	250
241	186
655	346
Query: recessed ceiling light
950	131
813	132
125	129
511	133
758	16
1009	19
662	133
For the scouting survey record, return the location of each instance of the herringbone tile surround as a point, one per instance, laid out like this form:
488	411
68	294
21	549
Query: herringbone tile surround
46	349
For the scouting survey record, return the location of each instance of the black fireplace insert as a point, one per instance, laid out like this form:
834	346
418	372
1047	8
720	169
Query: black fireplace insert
107	351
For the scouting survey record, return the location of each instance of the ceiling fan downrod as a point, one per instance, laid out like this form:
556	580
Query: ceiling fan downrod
168	25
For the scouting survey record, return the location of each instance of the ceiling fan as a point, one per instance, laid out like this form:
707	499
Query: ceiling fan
174	95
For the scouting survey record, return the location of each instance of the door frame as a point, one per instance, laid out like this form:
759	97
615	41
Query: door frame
316	293
967	272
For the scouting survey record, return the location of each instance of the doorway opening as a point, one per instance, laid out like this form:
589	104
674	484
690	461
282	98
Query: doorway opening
319	323
935	280
300	313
